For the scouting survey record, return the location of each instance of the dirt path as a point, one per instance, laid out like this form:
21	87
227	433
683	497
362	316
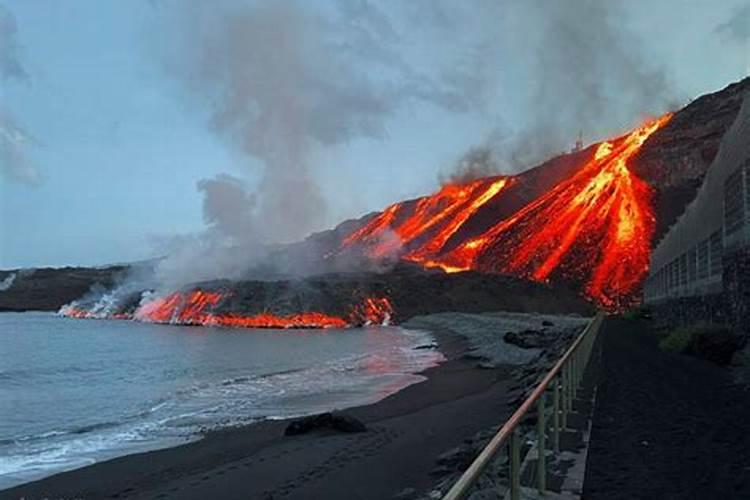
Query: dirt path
665	425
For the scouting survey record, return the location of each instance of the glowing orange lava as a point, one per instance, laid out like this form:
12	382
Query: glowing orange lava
424	226
198	307
595	228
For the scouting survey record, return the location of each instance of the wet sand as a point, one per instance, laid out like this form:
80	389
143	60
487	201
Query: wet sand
406	432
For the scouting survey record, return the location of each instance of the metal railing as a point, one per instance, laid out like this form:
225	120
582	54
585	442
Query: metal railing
563	380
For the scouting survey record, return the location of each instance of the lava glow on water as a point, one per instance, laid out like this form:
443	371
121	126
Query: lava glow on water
198	308
594	228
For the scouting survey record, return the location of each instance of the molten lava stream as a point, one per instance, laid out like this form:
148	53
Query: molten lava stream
198	308
434	218
595	228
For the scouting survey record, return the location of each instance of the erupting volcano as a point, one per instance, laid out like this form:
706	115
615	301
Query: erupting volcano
593	229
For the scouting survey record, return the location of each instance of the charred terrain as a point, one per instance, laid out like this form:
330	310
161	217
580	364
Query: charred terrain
573	232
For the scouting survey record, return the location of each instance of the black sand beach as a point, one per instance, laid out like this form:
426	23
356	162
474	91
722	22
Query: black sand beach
666	425
406	432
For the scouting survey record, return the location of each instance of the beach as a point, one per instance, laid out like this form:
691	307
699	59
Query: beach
398	456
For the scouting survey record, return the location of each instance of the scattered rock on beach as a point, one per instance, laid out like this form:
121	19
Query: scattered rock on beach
406	494
333	421
527	339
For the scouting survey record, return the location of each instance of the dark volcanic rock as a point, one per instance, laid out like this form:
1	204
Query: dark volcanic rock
411	290
334	421
48	289
718	346
527	339
676	158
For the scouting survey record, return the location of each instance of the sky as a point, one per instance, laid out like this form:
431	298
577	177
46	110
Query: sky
125	125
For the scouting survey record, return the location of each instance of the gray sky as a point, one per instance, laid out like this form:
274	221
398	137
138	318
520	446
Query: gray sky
124	124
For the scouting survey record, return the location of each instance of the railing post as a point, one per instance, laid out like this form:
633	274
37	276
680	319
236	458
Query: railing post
541	445
515	465
556	415
574	390
565	397
565	377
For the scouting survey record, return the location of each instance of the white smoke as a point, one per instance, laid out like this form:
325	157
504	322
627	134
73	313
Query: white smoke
14	146
15	142
7	282
573	66
737	27
10	62
283	80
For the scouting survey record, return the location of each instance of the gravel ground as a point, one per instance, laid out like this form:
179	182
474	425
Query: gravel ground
485	333
666	426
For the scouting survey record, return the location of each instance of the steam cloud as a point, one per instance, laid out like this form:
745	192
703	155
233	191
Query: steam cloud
7	282
737	27
584	71
283	82
15	164
589	77
476	163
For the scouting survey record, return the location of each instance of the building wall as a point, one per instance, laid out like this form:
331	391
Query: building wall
701	269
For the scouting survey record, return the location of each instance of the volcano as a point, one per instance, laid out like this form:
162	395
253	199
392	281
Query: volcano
591	222
573	232
594	227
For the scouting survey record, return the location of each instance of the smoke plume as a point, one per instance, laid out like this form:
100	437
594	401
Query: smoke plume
7	282
588	77
574	65
737	27
282	82
15	164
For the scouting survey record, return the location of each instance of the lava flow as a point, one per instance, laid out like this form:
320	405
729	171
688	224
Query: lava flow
425	225
200	307
594	228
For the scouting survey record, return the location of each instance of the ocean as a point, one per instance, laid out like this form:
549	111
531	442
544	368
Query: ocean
74	392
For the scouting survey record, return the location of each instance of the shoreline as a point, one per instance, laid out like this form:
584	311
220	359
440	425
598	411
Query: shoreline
415	438
174	470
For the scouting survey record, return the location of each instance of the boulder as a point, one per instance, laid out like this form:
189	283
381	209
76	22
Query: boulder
333	421
526	339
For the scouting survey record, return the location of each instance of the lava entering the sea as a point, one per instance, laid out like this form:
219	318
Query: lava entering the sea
199	307
593	229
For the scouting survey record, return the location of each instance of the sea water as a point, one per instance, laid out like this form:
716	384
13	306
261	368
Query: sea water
73	392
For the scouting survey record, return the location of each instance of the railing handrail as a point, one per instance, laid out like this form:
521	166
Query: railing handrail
471	474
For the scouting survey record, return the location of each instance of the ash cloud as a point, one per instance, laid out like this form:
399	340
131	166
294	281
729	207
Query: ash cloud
15	141
10	61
